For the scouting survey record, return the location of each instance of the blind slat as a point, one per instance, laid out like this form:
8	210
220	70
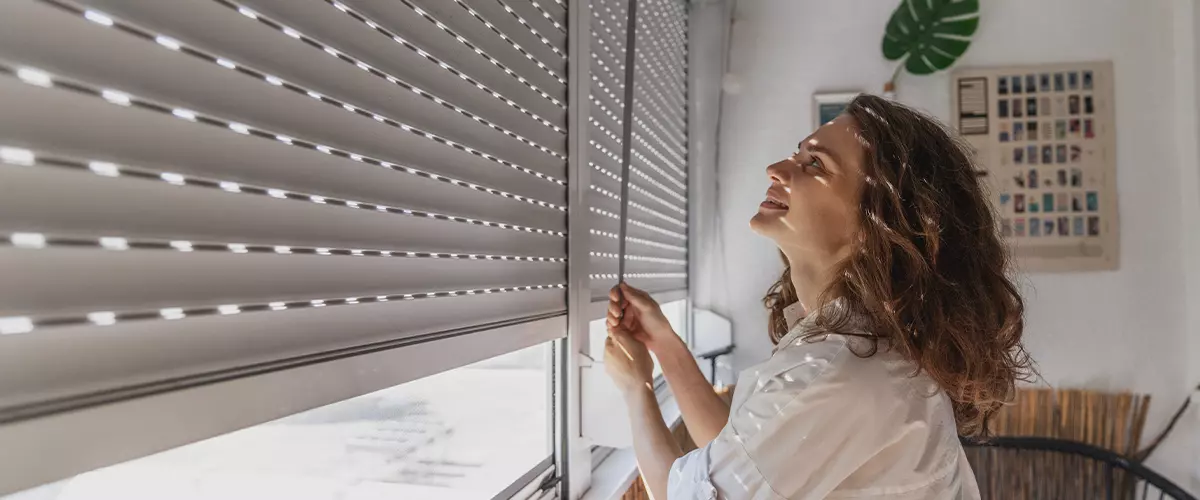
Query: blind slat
548	17
67	121
129	353
148	280
502	34
536	91
76	203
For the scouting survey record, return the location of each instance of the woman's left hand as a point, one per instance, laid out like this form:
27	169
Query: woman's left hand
627	361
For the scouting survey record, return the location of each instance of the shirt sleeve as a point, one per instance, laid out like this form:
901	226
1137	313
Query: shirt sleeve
799	433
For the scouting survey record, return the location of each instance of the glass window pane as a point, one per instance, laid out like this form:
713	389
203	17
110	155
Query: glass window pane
466	433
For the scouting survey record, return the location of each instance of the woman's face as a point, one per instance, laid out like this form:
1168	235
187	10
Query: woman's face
811	209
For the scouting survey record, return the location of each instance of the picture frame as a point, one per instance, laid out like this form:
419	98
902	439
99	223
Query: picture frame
828	105
1044	136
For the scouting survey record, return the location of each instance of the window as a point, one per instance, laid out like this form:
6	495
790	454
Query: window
466	433
228	212
318	215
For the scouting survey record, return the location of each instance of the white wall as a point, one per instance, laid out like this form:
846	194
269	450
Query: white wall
1102	330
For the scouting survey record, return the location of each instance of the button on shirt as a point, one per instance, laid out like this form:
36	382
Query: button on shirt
818	421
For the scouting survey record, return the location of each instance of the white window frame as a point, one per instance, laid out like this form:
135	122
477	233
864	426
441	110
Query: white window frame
708	25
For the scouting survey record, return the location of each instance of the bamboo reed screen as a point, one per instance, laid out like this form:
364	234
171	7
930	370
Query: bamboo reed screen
1111	421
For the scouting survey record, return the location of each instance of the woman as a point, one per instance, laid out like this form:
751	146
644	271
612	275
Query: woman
910	334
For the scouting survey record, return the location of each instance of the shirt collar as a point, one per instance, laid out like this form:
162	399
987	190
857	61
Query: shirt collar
804	325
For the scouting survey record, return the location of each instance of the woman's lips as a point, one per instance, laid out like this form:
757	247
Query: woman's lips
776	199
772	205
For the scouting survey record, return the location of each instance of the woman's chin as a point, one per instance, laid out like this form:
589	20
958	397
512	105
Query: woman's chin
765	223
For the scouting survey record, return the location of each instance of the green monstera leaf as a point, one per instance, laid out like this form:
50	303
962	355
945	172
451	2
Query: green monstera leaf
931	33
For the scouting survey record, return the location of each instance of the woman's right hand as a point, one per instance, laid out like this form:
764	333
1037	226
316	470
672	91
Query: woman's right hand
643	318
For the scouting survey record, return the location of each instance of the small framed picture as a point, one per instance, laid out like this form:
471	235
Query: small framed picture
1064	228
1060	153
1073	80
1076	153
1062	202
1073	105
1019	203
1047	154
1060	129
1087	80
1047	202
1093	201
1018	131
1035	226
1018	108
1044	105
1059	84
1088	131
1031	107
1076	128
1060	105
1061	177
1048	227
1044	80
1087	105
1093	225
1076	202
1002	85
1018	156
1002	108
1016	84
1006	229
1047	130
1076	177
1031	154
828	105
1033	205
1019	227
1005	198
1032	127
1077	226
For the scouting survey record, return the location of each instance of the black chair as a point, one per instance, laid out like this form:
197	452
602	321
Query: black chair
1050	468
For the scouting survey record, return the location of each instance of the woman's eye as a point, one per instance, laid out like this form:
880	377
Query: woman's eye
814	164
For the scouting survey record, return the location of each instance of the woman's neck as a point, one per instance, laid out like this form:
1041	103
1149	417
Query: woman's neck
811	276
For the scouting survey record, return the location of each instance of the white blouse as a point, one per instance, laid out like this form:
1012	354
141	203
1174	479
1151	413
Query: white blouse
817	421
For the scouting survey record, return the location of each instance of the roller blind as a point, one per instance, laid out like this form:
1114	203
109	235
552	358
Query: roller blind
192	191
656	123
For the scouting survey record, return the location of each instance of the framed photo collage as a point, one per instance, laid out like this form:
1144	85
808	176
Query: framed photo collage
1044	136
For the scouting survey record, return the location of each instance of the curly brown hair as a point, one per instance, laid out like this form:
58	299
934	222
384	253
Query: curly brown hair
930	273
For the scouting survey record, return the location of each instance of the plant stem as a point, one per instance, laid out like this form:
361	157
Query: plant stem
896	73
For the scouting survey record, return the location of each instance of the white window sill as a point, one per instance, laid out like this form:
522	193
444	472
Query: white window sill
617	473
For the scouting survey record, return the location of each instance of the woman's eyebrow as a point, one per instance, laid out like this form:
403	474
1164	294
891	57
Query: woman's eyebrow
815	147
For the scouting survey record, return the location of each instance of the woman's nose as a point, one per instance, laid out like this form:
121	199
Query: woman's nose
779	172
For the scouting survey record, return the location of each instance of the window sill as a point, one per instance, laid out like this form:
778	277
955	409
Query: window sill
614	476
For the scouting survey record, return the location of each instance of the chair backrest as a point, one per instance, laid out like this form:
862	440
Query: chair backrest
1039	467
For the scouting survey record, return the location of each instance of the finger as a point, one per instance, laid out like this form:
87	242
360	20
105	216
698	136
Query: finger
614	310
614	293
620	332
640	299
630	320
